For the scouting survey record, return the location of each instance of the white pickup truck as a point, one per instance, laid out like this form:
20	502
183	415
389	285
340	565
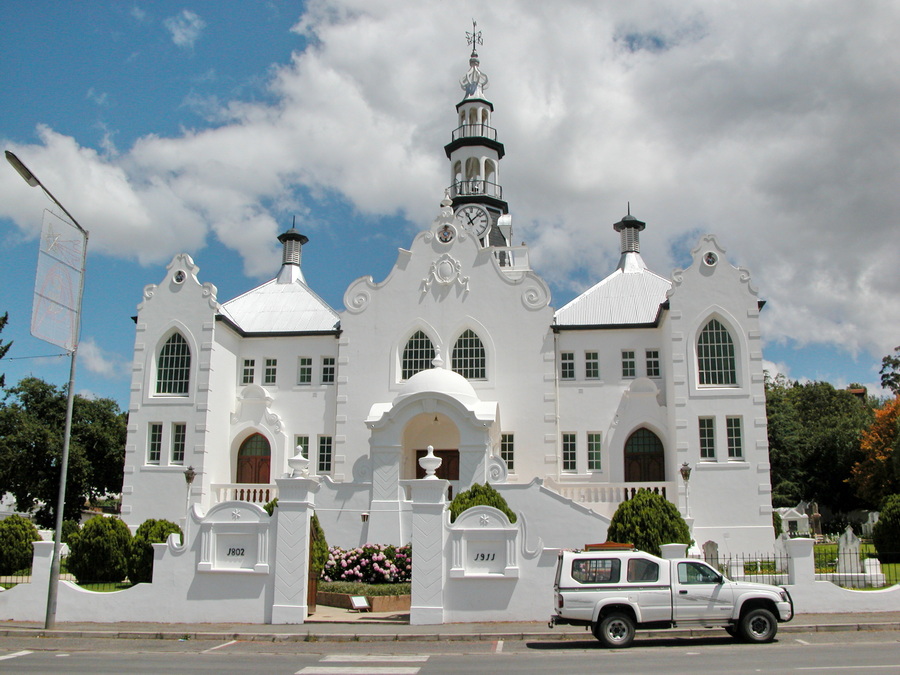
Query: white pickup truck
615	592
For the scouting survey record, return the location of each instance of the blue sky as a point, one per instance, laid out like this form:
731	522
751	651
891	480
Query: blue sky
206	127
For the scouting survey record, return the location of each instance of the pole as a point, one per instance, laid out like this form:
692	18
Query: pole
53	586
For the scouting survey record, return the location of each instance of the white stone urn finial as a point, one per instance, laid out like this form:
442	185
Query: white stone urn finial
299	463
430	463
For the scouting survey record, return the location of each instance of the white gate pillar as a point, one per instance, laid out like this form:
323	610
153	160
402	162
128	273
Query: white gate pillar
801	561
429	504
296	499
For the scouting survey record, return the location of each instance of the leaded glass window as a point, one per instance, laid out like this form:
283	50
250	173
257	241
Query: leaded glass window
173	370
715	355
417	355
468	356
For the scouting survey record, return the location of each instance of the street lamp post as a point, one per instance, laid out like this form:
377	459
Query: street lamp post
685	472
50	618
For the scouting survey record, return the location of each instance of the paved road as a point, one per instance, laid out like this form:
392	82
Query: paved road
822	652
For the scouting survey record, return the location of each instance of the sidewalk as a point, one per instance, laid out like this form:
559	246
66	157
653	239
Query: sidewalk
331	624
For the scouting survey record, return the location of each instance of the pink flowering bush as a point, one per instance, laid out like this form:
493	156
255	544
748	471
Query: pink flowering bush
369	564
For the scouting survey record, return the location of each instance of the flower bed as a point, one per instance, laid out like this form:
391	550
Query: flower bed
371	564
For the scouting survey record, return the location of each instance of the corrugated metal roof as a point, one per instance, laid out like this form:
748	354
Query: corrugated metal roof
630	295
281	308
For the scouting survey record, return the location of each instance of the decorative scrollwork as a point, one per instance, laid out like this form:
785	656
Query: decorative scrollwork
497	470
535	297
357	297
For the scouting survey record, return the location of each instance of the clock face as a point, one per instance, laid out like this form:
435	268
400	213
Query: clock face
475	218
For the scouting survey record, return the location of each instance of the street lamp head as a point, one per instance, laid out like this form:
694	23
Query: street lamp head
189	475
685	471
23	170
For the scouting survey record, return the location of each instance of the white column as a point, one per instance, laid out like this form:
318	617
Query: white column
429	505
801	561
296	499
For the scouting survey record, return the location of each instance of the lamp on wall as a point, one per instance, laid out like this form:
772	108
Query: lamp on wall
364	516
189	476
685	472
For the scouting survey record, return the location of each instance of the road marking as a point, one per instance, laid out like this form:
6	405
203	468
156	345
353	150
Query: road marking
893	667
226	644
375	658
802	642
498	646
15	655
357	670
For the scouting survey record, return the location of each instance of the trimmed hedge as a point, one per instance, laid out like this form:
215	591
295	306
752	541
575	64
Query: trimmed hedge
648	520
99	552
16	551
479	495
140	550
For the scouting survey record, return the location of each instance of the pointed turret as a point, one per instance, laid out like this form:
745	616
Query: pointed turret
475	153
293	242
629	229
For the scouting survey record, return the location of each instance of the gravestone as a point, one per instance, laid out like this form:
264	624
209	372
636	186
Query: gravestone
848	561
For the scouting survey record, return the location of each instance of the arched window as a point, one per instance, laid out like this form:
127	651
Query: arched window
644	458
715	355
254	460
417	355
468	356
173	369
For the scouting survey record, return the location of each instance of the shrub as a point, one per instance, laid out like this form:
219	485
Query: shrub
886	532
369	564
317	538
100	551
371	590
776	523
648	520
16	551
69	527
479	495
140	550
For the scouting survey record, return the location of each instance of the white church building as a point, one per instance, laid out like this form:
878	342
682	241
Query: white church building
642	381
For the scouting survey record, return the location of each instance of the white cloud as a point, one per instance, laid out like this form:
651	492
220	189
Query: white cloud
98	361
185	28
767	123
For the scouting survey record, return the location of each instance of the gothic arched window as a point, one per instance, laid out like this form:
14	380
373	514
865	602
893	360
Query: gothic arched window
417	355
715	355
173	368
468	356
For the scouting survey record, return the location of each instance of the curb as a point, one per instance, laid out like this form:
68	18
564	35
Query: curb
312	636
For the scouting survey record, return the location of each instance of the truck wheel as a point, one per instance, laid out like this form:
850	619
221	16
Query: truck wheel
615	631
758	625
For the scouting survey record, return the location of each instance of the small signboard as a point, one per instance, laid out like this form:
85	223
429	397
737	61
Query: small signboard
359	603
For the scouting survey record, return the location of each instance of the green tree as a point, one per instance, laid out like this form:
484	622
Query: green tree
814	441
32	418
648	521
4	347
16	551
140	550
99	552
890	371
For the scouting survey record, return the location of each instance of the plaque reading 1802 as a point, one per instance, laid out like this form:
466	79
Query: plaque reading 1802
485	557
236	551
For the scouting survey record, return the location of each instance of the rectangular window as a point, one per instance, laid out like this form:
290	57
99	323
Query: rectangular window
628	363
506	451
303	442
591	365
154	443
327	370
324	462
179	433
596	570
593	451
270	371
707	438
567	366
652	362
304	370
247	372
735	441
568	453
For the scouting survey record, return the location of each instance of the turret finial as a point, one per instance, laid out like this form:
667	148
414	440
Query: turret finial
474	38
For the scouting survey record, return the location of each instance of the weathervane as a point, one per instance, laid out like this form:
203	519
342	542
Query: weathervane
474	38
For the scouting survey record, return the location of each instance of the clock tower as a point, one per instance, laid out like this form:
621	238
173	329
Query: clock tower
475	153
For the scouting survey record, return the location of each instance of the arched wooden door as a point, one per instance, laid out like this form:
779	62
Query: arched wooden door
254	460
644	458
